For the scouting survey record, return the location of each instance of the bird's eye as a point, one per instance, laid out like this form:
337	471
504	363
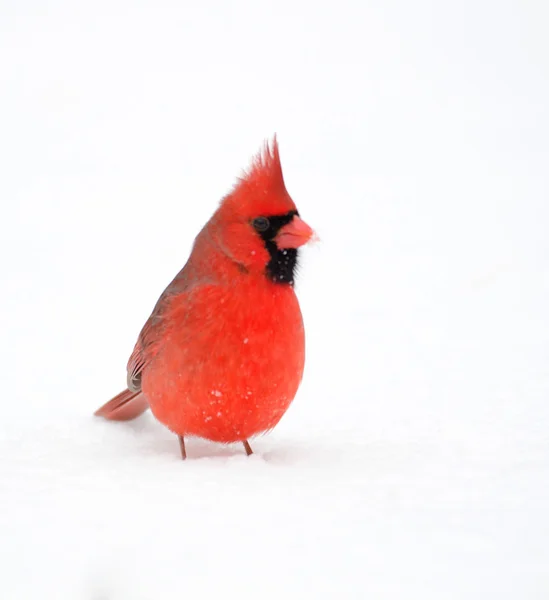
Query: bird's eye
261	224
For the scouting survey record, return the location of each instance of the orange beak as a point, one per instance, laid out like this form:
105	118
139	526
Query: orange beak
294	235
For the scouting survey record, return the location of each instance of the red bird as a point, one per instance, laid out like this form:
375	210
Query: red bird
222	354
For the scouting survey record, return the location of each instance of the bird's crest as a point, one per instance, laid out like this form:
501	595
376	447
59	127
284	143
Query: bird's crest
261	189
265	170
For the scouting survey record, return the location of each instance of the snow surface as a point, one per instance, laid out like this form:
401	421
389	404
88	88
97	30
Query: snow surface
414	463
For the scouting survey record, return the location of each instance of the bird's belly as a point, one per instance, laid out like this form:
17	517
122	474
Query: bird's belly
229	378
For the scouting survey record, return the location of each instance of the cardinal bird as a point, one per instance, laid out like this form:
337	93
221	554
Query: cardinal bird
222	355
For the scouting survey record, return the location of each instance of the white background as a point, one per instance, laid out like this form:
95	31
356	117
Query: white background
414	462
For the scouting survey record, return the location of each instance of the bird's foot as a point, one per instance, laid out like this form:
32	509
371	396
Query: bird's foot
247	447
182	447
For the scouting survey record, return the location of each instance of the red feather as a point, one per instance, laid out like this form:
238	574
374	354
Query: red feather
222	354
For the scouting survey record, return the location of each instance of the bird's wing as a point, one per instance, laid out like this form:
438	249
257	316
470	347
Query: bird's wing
138	360
151	334
143	351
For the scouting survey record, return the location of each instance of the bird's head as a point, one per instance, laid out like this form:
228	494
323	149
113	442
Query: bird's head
257	225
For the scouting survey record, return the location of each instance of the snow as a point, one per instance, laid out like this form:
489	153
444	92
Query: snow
414	462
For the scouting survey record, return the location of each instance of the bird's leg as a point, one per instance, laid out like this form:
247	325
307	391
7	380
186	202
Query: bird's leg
247	447
182	446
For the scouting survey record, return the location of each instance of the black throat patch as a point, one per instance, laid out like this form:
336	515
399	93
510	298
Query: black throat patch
283	264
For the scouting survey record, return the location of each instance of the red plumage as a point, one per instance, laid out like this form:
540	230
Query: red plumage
222	354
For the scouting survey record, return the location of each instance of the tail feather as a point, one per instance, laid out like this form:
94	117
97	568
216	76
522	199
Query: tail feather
124	407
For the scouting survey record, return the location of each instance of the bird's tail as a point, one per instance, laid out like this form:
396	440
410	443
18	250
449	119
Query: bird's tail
124	407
